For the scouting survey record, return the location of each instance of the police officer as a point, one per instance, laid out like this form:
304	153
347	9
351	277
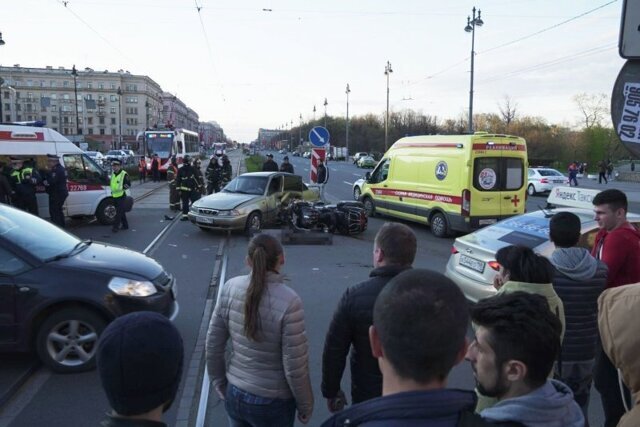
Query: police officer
174	194
119	183
23	181
56	185
186	184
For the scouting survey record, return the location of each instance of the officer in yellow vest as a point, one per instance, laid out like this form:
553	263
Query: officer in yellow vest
119	183
23	181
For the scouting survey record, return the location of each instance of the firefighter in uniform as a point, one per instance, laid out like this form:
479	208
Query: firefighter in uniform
56	185
119	183
186	183
174	194
213	175
226	170
23	182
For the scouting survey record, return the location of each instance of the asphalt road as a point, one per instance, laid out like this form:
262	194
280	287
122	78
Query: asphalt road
319	274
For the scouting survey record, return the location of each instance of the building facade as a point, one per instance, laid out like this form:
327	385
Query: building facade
210	132
109	111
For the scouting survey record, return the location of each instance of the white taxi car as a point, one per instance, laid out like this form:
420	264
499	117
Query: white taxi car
472	264
542	180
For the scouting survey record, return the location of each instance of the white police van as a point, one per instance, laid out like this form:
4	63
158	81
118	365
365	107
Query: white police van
88	183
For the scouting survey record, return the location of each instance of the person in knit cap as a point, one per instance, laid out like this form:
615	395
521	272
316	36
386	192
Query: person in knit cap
139	358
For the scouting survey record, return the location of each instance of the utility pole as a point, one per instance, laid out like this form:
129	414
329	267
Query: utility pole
74	73
348	91
387	71
471	28
314	113
1	83
119	92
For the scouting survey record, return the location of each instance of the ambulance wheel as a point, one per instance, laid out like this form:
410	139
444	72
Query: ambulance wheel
439	225
356	193
369	207
106	212
531	190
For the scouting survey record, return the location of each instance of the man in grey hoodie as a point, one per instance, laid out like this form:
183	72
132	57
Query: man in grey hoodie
578	281
517	340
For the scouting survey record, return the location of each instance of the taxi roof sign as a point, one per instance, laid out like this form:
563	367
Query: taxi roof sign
572	197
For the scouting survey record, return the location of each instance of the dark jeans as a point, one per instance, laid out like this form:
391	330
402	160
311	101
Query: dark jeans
121	217
55	209
601	177
248	410
605	378
156	175
573	178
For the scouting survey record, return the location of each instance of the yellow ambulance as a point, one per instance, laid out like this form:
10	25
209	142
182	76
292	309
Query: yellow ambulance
450	182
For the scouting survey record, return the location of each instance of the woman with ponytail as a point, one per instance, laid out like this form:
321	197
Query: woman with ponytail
265	377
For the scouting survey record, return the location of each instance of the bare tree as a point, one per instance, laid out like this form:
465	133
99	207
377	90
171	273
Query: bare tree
508	110
593	107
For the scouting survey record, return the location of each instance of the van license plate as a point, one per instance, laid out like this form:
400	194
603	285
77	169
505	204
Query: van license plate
205	220
487	221
472	263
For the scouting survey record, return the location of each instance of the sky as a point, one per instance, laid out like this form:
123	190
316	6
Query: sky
261	64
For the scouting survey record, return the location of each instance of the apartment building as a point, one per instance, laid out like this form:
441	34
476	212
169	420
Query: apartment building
105	108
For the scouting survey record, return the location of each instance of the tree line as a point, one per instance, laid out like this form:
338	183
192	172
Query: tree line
590	140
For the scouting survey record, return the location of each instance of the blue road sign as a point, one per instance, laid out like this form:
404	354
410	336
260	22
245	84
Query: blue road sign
319	136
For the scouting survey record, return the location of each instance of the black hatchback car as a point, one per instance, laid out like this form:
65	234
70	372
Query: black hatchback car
58	293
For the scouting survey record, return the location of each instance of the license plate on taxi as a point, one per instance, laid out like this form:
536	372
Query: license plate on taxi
205	220
471	263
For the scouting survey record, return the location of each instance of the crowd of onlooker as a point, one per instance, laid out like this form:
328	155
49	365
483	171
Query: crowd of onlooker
554	326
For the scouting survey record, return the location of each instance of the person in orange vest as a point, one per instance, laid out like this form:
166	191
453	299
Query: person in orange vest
142	168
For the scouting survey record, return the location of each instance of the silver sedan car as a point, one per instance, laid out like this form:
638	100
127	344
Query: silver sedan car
249	202
542	180
472	264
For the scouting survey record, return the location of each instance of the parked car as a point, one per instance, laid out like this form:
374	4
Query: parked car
357	156
98	157
542	180
366	162
472	264
249	202
58	293
307	154
116	155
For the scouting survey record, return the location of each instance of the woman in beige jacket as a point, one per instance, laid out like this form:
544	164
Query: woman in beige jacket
265	376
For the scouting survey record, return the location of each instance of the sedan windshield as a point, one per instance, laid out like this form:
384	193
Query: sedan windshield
247	185
34	235
549	172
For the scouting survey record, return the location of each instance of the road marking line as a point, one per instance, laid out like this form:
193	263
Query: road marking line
348	183
22	399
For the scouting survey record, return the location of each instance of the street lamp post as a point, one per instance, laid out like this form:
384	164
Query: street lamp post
387	70
314	113
325	112
74	73
348	91
300	131
119	92
472	23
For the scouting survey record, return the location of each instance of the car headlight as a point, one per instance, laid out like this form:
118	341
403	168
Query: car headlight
232	212
131	287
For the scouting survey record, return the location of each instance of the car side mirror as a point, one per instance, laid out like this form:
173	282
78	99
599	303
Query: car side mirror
367	176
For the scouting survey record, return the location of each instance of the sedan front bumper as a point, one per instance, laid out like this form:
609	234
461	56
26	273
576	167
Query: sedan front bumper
218	222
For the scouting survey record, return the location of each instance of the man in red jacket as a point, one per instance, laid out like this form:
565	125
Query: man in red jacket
617	245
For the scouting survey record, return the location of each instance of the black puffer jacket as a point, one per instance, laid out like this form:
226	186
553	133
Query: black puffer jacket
579	280
350	329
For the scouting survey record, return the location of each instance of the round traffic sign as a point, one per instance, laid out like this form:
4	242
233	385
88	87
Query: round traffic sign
319	136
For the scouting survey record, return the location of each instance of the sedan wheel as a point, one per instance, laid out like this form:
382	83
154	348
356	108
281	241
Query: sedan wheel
68	339
254	223
531	190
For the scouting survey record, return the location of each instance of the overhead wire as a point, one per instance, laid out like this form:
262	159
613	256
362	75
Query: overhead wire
66	6
430	76
210	50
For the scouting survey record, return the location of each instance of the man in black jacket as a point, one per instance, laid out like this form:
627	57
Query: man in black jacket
186	183
418	334
286	166
270	165
578	281
394	251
